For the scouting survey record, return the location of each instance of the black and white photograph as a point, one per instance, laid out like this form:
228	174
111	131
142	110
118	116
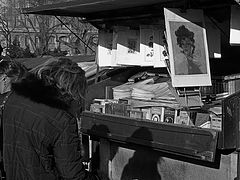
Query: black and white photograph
119	90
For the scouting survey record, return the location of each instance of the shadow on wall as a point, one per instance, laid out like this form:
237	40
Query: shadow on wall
143	164
100	131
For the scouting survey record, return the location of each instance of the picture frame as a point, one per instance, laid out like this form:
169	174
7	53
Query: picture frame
188	49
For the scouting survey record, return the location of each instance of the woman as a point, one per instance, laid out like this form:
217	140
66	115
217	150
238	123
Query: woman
10	71
186	63
40	131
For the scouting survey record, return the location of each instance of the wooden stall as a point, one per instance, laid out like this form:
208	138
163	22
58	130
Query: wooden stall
135	148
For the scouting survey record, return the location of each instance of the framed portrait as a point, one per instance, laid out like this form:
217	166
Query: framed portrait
187	46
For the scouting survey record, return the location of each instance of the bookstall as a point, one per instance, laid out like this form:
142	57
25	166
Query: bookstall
166	105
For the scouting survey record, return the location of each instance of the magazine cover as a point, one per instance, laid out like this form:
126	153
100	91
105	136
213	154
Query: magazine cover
183	118
169	115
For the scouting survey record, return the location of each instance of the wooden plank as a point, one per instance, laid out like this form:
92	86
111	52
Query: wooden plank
104	150
186	141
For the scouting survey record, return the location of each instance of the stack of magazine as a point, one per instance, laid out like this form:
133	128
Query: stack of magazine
147	93
125	90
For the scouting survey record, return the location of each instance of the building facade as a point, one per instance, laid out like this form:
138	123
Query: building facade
37	32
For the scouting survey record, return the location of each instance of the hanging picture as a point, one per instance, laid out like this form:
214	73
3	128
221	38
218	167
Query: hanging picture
105	52
159	49
128	47
187	46
150	46
235	25
146	45
114	47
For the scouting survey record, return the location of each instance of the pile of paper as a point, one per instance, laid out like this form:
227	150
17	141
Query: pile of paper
122	91
125	46
156	91
125	90
147	93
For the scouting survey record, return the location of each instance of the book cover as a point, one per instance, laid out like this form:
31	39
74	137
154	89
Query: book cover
157	114
169	115
183	118
201	118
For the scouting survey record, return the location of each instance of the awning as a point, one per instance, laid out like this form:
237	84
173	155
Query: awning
86	8
100	11
95	9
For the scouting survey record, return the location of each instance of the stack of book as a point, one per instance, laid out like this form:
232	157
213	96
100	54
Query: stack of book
125	90
122	91
160	94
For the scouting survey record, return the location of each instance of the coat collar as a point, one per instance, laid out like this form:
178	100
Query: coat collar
35	89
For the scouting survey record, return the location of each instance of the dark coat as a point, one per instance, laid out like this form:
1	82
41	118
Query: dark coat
40	138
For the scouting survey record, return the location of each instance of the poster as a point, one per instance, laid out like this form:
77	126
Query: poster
187	46
104	51
151	45
235	25
128	47
161	57
146	45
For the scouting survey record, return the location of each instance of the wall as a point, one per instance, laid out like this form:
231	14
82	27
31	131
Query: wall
128	164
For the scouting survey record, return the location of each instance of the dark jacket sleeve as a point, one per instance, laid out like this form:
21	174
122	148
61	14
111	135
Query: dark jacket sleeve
67	153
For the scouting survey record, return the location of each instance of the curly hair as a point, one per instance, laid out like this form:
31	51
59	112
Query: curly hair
65	75
182	32
12	69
